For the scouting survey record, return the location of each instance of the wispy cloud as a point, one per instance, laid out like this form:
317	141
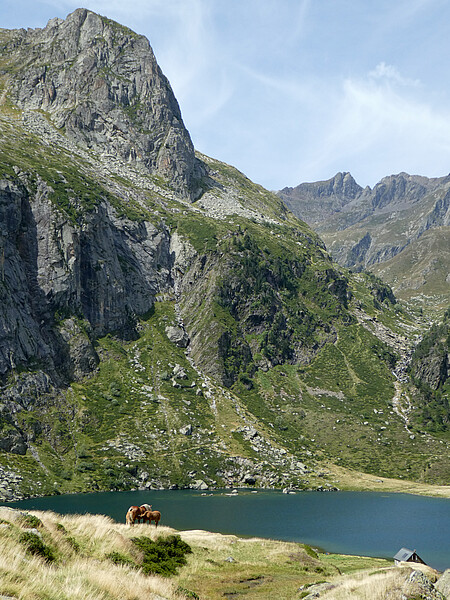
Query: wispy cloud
382	129
390	73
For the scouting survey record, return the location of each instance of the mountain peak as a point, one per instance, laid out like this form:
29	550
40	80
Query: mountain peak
313	202
100	84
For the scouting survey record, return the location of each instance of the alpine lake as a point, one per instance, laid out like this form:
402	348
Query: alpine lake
357	523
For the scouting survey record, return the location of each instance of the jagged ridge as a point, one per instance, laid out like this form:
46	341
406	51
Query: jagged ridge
382	228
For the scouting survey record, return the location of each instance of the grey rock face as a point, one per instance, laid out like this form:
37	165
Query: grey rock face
314	202
100	83
357	254
432	369
106	271
82	356
22	305
13	442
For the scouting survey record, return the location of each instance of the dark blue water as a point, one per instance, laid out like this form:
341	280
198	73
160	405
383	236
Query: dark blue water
361	523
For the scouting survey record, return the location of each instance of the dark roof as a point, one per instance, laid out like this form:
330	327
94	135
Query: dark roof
403	554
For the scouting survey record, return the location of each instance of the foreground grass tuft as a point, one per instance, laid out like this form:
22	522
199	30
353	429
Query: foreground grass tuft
35	545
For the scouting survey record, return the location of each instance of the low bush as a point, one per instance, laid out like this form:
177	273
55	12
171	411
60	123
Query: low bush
31	521
120	559
36	546
164	555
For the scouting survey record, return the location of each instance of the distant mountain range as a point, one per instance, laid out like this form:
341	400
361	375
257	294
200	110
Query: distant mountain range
400	229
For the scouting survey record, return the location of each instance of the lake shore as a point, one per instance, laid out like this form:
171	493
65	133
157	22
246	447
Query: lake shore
364	482
346	522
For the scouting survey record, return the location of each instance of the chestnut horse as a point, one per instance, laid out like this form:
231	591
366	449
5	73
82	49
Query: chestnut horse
151	515
136	512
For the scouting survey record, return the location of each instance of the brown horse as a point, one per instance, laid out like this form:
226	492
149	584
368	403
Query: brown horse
134	513
151	515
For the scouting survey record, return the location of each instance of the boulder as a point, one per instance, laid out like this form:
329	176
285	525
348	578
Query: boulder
443	584
177	335
199	484
186	430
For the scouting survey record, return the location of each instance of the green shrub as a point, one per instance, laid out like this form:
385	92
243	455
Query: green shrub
120	559
31	521
69	539
73	542
310	552
35	545
164	555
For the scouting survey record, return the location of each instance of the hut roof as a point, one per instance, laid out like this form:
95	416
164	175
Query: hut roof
404	554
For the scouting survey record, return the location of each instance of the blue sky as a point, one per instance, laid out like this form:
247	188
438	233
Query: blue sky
296	90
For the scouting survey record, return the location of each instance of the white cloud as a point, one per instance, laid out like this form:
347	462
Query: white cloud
390	73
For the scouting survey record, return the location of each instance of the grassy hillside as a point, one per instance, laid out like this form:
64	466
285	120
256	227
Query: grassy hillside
149	418
46	555
419	274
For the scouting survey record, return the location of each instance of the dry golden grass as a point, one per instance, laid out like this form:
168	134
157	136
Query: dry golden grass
377	586
82	574
392	583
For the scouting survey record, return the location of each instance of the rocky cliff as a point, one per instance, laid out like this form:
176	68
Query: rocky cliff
163	320
430	370
99	83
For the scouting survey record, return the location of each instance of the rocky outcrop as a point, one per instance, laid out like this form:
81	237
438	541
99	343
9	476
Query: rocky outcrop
430	371
396	189
356	255
443	584
433	370
430	363
100	84
25	321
